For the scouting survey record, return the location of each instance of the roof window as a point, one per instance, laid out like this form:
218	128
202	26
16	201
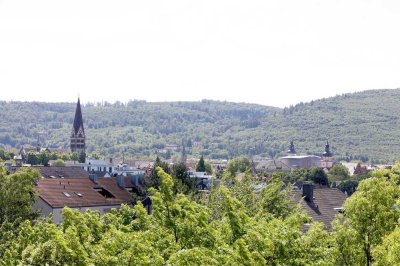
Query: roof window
66	194
104	192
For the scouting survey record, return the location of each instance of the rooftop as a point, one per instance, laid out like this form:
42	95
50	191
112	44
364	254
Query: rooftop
78	192
326	204
58	172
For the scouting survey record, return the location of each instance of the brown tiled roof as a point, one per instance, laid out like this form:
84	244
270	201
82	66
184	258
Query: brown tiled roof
64	172
322	209
52	192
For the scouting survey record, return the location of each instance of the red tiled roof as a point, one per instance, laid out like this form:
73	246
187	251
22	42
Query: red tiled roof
322	209
53	171
52	191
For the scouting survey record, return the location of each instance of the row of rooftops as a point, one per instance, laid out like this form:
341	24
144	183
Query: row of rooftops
74	187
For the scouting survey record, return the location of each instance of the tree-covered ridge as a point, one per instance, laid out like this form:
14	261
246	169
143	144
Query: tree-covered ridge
359	126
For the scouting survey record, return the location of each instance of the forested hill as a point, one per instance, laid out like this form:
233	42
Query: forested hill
362	125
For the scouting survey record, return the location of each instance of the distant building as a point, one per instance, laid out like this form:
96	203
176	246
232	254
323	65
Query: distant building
301	161
270	166
78	137
360	169
327	160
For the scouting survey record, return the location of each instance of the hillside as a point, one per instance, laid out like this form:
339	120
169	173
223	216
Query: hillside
362	125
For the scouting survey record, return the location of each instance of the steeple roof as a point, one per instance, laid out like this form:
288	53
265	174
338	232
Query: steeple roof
78	121
327	152
291	148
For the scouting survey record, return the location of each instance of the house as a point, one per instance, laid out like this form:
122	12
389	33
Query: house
360	169
57	172
321	203
99	194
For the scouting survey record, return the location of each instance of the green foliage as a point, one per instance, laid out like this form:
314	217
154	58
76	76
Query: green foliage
338	172
82	157
231	225
358	126
238	165
317	175
179	232
370	214
59	163
200	166
154	180
348	186
17	195
74	157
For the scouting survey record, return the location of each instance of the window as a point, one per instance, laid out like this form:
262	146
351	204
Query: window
79	194
105	193
66	194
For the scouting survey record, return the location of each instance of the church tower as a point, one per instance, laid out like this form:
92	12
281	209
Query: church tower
327	160
292	150
78	136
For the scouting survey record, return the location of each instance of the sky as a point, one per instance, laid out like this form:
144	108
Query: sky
267	52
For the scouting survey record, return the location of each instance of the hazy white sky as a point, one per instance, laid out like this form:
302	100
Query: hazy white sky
268	52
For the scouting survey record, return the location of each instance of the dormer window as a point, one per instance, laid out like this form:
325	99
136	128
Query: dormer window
105	193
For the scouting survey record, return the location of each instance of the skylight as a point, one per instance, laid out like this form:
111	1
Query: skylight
66	194
79	194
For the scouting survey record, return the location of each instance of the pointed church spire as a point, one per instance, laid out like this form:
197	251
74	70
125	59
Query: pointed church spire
78	136
327	152
78	121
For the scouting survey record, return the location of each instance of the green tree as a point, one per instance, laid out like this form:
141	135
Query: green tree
238	165
154	180
318	176
17	195
43	158
32	158
186	220
339	172
82	157
201	167
370	214
74	157
388	253
96	155
59	163
348	186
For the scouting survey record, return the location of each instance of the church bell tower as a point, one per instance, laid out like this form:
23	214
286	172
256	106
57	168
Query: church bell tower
78	136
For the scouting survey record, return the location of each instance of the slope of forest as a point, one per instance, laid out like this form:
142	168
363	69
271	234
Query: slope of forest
362	126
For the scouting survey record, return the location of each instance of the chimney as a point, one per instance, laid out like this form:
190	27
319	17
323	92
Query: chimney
111	160
93	177
120	181
308	192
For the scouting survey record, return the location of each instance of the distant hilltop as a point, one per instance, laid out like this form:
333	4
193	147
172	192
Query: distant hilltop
359	126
